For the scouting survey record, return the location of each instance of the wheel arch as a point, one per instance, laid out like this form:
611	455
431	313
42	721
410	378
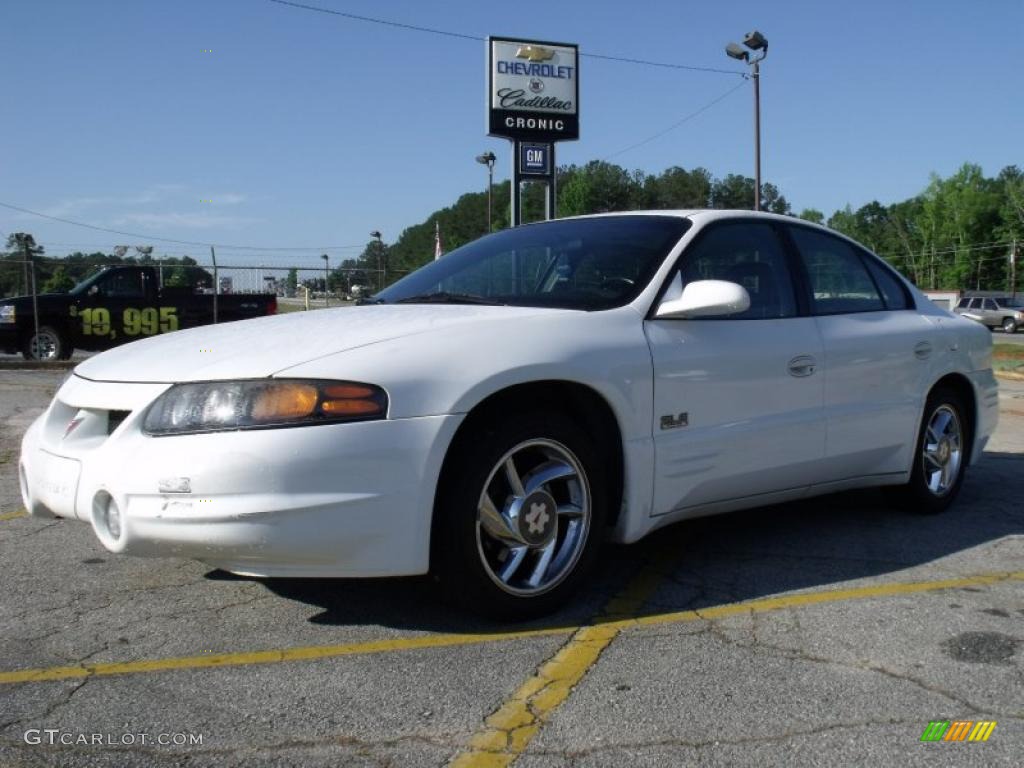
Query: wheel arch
962	386
584	403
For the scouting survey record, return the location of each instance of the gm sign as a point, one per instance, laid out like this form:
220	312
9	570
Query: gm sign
535	159
533	90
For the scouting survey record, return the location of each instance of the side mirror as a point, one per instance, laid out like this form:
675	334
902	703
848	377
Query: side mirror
703	298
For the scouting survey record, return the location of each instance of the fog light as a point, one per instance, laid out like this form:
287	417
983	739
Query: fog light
106	518
113	519
26	499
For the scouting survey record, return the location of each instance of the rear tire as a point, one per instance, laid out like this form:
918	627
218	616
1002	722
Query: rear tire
48	345
510	548
940	456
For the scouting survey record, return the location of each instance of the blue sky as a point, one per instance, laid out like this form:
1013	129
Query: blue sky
306	130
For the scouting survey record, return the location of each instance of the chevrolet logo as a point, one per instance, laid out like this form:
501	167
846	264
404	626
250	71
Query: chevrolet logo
534	53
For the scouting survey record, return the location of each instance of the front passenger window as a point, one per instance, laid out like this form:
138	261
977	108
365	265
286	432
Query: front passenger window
748	253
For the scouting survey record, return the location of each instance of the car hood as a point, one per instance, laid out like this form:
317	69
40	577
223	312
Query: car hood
264	346
48	299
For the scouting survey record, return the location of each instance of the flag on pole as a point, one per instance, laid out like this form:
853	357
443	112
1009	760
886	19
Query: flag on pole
438	250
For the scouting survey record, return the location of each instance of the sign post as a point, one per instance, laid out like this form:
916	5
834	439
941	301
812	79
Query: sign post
533	99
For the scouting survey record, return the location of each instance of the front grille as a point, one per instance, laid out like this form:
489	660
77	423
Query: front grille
114	419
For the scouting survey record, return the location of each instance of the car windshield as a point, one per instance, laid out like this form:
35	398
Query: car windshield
587	264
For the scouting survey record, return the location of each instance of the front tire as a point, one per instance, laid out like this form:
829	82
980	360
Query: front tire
1009	325
520	514
941	454
47	345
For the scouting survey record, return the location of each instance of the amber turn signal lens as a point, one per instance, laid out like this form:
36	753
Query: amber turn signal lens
284	401
346	392
351	407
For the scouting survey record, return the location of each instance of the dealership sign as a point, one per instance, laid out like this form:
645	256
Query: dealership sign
533	90
535	159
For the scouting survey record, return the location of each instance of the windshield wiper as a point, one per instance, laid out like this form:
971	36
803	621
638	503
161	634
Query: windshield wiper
443	297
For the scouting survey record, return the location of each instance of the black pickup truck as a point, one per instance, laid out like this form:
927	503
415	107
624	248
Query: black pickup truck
115	306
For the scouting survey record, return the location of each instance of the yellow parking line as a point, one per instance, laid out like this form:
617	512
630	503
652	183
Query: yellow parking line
827	596
621	613
272	656
510	728
13	515
507	732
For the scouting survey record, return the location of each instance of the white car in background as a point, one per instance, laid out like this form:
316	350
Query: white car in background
496	415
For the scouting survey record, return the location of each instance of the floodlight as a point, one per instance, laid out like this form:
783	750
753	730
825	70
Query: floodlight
755	41
736	51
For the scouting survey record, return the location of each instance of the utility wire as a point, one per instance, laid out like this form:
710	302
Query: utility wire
480	38
150	238
677	124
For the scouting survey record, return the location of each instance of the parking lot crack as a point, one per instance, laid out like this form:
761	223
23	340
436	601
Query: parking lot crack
800	654
43	717
697	744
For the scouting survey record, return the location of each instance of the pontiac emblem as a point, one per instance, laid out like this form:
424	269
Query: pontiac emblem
534	53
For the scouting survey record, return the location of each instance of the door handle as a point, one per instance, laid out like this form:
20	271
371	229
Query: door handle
922	350
802	365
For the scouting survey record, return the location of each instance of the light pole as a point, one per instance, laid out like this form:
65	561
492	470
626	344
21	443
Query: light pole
755	41
327	275
382	263
488	158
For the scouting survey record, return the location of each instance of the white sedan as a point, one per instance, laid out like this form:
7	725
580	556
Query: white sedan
496	415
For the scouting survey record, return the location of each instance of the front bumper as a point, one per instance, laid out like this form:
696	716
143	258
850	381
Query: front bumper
986	396
331	500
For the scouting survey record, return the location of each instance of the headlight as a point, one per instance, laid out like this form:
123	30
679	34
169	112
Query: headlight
218	406
7	313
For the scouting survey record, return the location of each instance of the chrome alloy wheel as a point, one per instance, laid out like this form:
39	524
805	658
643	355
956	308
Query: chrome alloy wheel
533	517
942	452
43	345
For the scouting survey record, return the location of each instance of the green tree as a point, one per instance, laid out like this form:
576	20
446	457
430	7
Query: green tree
59	282
677	188
291	282
15	278
599	187
1010	187
812	215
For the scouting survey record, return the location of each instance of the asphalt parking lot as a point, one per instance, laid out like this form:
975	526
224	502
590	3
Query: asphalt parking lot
829	632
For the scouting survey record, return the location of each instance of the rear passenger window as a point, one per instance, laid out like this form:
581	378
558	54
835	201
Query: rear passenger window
839	281
892	290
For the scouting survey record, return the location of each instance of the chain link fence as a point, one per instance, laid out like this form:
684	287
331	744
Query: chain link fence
296	288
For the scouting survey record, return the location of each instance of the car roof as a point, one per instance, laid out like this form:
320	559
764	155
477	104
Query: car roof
706	215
